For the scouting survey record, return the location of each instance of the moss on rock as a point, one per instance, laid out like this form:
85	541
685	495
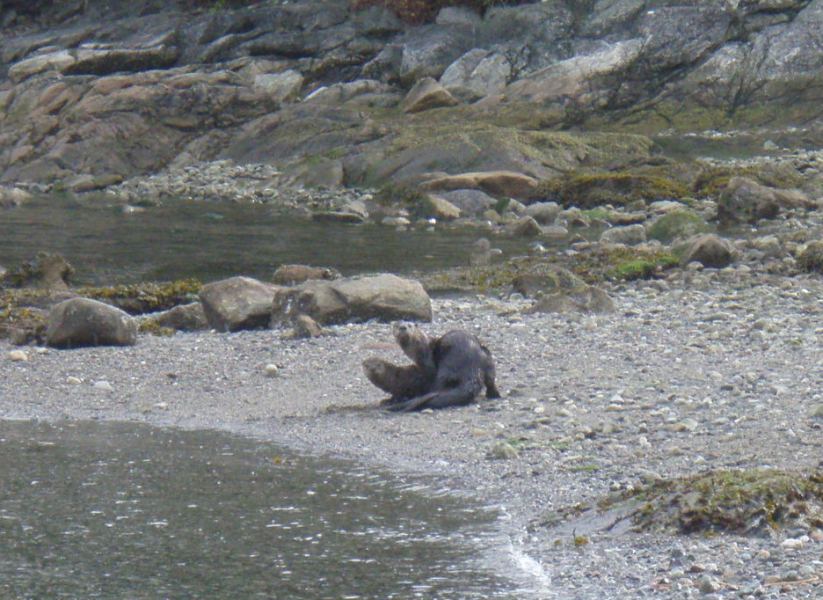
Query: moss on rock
140	298
744	501
589	190
681	223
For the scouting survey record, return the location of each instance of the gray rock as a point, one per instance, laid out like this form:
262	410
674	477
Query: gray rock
237	303
425	95
434	205
709	250
427	51
85	322
629	235
282	87
477	74
525	227
470	202
382	297
338	216
544	213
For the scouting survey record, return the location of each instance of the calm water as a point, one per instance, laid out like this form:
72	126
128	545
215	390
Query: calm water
212	241
91	510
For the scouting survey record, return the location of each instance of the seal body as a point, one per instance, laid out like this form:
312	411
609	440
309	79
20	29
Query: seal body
448	371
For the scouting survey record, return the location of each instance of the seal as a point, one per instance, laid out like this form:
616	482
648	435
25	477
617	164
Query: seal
448	371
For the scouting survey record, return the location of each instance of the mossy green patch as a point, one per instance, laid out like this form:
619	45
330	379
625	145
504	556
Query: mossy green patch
711	182
622	263
151	326
589	190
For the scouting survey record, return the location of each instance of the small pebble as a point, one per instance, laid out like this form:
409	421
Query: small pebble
103	385
271	370
73	380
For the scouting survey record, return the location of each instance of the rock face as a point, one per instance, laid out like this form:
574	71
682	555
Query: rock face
111	89
382	297
237	303
85	322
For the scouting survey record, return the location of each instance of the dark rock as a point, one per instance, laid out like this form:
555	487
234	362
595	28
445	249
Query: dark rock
382	297
237	303
85	322
336	216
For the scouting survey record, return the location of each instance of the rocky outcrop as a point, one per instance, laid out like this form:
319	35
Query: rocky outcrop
382	297
108	90
85	322
237	303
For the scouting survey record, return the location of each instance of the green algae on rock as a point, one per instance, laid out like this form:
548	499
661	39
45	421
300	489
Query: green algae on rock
738	501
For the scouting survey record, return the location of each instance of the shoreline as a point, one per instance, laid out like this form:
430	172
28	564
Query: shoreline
675	381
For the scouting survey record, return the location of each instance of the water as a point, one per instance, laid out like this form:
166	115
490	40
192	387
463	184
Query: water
91	510
213	241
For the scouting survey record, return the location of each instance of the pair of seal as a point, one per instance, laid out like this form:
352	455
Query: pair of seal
450	370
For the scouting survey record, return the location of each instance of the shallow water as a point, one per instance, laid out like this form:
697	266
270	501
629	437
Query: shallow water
212	241
91	510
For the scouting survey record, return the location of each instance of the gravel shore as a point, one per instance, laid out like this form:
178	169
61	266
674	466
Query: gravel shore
721	371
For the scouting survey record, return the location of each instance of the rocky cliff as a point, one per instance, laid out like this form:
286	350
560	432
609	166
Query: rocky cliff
95	91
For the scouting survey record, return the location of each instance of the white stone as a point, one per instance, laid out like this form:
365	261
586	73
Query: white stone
271	370
18	356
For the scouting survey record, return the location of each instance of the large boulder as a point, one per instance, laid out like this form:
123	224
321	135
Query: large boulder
85	322
237	303
383	297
